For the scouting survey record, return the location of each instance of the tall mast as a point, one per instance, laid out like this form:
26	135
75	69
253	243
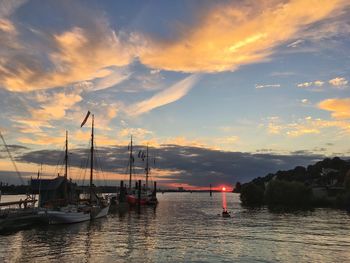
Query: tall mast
66	168
130	163
66	158
147	167
92	156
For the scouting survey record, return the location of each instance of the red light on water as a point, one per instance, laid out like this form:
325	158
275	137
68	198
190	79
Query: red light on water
224	189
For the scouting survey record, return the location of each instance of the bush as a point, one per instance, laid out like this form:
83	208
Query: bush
252	195
237	188
287	194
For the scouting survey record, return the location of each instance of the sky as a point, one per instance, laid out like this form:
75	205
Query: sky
221	91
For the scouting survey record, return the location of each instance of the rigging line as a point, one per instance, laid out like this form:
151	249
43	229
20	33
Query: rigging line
58	164
12	160
86	165
104	176
83	168
98	162
79	172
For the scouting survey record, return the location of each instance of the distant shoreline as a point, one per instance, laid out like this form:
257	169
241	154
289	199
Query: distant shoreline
23	189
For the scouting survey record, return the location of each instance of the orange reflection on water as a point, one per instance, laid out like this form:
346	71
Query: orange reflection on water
224	204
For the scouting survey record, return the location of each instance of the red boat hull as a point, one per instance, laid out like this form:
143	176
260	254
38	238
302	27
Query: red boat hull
133	200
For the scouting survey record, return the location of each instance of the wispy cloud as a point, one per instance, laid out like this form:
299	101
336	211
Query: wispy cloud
316	83
296	43
282	73
305	101
304	126
262	86
169	95
338	82
115	77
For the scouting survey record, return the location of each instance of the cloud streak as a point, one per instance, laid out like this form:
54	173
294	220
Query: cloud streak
169	95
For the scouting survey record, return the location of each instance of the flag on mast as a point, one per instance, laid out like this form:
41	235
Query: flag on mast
85	120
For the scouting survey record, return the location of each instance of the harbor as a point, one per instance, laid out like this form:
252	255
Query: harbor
174	131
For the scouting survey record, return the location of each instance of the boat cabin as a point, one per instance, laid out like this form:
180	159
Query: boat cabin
55	192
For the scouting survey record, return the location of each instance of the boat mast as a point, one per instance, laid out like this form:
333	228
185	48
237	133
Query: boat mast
66	158
66	168
130	163
92	156
147	167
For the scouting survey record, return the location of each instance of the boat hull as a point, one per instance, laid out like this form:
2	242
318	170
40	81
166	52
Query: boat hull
133	200
59	217
20	219
98	212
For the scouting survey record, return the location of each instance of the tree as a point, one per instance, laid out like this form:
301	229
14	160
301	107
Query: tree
287	194
347	181
237	188
252	195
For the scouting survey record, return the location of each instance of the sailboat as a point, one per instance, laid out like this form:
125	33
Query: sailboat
17	214
147	197
99	206
64	210
68	210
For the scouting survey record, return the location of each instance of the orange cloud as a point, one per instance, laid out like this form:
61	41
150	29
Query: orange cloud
55	107
7	26
226	37
79	55
230	36
42	140
138	133
340	108
48	107
304	126
101	140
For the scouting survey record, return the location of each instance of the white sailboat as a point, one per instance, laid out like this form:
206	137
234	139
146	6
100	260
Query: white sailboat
95	207
69	213
99	206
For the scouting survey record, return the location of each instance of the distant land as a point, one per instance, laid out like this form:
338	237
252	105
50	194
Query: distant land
323	184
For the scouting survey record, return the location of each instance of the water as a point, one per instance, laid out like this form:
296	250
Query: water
186	227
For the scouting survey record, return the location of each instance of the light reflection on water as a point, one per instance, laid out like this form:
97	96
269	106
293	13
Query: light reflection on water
186	227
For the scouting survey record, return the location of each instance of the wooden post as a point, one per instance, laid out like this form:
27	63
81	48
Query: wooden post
155	189
210	191
121	192
139	194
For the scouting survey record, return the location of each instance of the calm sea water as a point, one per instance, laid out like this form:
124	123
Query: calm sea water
186	227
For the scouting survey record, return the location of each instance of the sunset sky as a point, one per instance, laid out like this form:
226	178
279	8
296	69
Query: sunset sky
222	91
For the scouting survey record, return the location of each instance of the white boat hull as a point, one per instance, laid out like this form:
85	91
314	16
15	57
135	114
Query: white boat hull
60	217
102	212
